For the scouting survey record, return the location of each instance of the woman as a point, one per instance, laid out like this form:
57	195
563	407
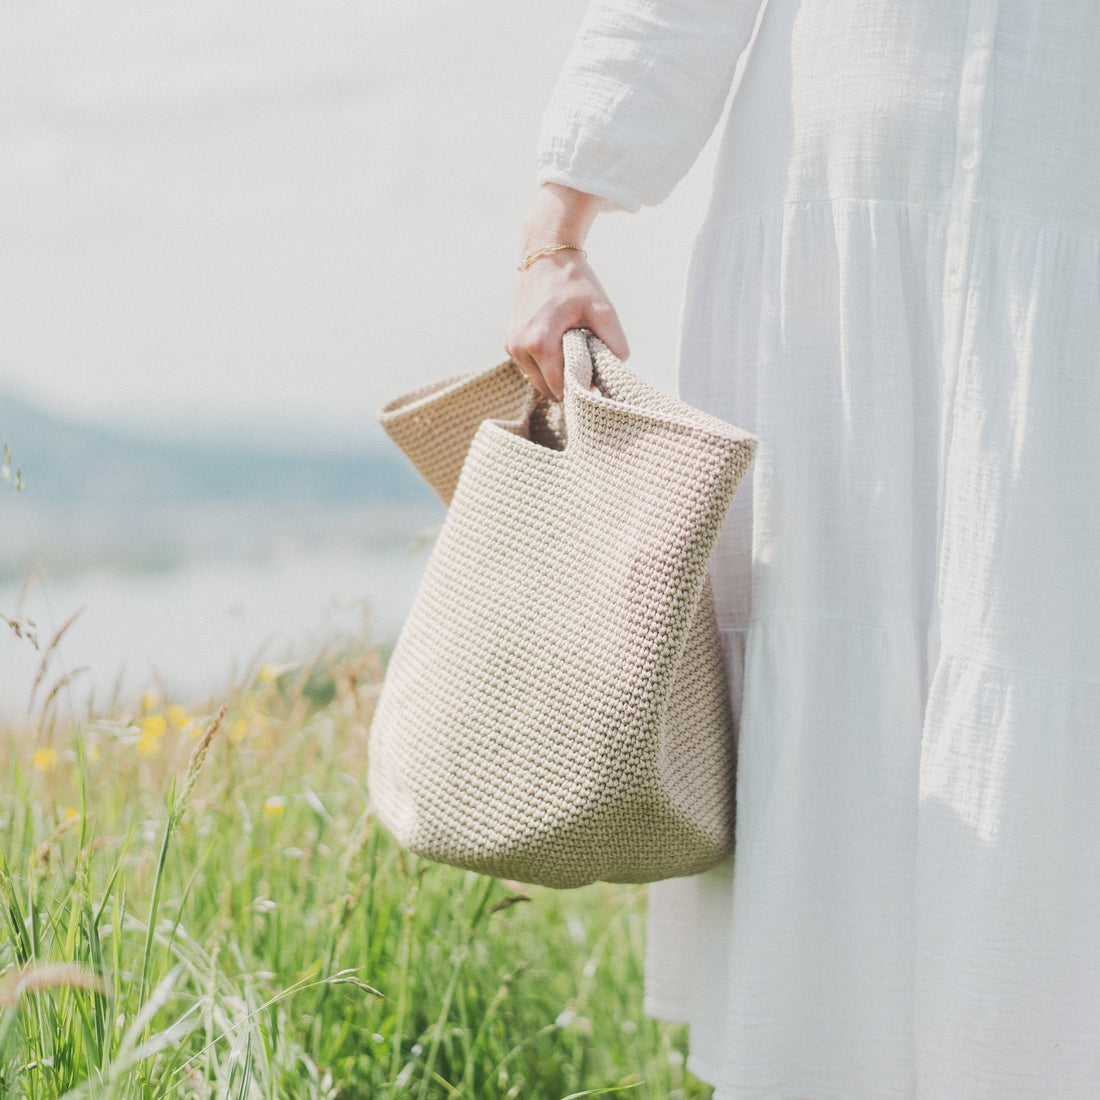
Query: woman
897	287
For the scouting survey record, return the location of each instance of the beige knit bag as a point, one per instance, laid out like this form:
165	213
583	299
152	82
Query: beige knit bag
555	710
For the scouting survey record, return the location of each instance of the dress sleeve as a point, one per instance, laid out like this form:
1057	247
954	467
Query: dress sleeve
640	93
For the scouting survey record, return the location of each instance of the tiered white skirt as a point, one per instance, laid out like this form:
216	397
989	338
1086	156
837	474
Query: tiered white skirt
909	595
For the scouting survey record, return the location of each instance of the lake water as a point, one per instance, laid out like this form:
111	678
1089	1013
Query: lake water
193	630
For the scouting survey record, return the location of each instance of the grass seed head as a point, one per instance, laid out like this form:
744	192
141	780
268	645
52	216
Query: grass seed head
40	976
194	767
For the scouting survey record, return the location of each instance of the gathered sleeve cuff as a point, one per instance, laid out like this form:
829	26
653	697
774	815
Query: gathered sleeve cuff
640	93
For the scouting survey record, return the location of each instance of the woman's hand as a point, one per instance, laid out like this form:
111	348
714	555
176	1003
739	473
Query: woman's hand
558	291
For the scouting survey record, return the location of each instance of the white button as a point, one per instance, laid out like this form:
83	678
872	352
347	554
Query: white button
969	162
980	41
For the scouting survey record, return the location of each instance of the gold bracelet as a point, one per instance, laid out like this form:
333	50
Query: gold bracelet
538	254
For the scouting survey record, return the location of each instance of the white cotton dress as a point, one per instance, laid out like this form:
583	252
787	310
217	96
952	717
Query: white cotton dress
897	287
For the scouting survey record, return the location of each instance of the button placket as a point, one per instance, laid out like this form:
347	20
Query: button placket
970	135
969	145
970	139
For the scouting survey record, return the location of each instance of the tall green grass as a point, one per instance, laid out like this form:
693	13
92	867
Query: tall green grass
195	905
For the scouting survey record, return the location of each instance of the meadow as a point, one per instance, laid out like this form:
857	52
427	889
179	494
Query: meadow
196	902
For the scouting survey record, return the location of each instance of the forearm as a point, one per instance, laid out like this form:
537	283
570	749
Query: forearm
559	215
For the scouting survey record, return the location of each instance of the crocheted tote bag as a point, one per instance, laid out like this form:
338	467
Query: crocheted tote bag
555	710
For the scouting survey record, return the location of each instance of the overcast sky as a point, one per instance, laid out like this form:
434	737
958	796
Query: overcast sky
284	213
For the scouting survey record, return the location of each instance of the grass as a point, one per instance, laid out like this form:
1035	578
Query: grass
199	904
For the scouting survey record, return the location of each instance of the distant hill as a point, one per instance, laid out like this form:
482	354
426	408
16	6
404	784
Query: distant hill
67	462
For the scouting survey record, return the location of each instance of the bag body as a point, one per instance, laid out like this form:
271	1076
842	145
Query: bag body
555	710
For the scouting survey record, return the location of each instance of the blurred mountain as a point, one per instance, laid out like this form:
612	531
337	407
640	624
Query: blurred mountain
96	497
66	462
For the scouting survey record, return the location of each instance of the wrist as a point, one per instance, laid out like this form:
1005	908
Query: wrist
550	250
560	215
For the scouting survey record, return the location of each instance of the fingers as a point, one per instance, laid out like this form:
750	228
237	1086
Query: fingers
553	296
534	373
539	356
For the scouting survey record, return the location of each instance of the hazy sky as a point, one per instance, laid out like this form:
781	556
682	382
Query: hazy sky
278	213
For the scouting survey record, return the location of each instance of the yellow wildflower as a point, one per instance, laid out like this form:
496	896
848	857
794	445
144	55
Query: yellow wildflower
274	806
153	728
267	674
71	812
154	725
44	760
149	700
177	715
240	729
